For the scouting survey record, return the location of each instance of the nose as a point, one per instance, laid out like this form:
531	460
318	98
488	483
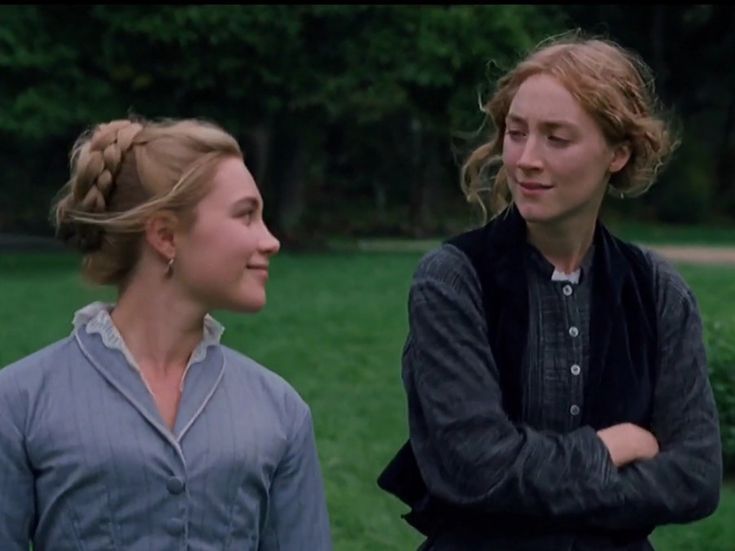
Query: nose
529	158
269	245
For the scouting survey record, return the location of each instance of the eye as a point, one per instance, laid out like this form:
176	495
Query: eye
247	215
514	134
558	141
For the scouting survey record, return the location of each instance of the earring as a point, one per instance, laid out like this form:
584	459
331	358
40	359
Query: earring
170	267
616	191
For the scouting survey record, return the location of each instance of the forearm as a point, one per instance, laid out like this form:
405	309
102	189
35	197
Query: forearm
559	476
681	484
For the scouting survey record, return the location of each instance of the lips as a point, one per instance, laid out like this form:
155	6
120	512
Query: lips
261	269
534	186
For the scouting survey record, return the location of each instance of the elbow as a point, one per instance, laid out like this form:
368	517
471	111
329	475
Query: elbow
459	481
711	486
705	497
470	475
710	497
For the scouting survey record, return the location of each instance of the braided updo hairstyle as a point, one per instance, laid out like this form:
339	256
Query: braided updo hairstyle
124	171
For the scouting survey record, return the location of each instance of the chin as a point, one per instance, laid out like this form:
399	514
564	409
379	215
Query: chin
243	304
252	304
534	213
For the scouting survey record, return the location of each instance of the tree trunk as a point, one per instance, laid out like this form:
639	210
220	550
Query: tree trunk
725	163
286	184
291	188
257	158
417	204
658	33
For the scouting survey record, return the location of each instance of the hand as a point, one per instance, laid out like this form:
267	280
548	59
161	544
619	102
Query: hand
627	442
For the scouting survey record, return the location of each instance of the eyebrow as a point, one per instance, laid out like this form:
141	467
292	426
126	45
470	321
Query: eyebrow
550	124
246	201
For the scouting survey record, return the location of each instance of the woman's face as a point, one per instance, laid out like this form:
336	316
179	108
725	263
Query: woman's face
222	260
557	160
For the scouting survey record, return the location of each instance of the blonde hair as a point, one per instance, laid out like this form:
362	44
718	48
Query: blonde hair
612	84
124	171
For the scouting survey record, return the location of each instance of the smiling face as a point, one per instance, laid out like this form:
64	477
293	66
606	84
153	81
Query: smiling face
555	156
222	259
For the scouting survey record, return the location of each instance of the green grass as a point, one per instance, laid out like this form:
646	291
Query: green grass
714	287
334	327
716	533
674	235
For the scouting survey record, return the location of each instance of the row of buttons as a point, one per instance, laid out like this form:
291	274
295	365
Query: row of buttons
175	526
573	332
175	485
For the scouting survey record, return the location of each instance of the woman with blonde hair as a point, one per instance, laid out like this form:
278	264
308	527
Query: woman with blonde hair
556	376
140	430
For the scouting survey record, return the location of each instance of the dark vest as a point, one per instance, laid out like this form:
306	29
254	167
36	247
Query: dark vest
622	370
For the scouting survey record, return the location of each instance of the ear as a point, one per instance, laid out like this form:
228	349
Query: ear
160	233
620	157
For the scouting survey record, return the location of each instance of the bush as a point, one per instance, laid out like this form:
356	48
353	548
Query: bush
721	351
684	195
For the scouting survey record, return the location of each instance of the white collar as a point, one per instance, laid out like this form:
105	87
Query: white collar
95	318
562	276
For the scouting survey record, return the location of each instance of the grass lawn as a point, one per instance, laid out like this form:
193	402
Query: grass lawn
674	235
334	327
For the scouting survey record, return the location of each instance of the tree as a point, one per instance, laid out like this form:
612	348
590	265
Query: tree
689	49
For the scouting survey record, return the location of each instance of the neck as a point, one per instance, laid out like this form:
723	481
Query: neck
564	246
159	326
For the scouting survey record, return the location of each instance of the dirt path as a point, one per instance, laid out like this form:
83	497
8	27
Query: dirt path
694	254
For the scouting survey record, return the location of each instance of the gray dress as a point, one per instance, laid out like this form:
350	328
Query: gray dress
551	465
87	463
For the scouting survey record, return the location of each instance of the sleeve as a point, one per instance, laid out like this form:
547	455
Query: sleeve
17	505
682	483
297	514
468	451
